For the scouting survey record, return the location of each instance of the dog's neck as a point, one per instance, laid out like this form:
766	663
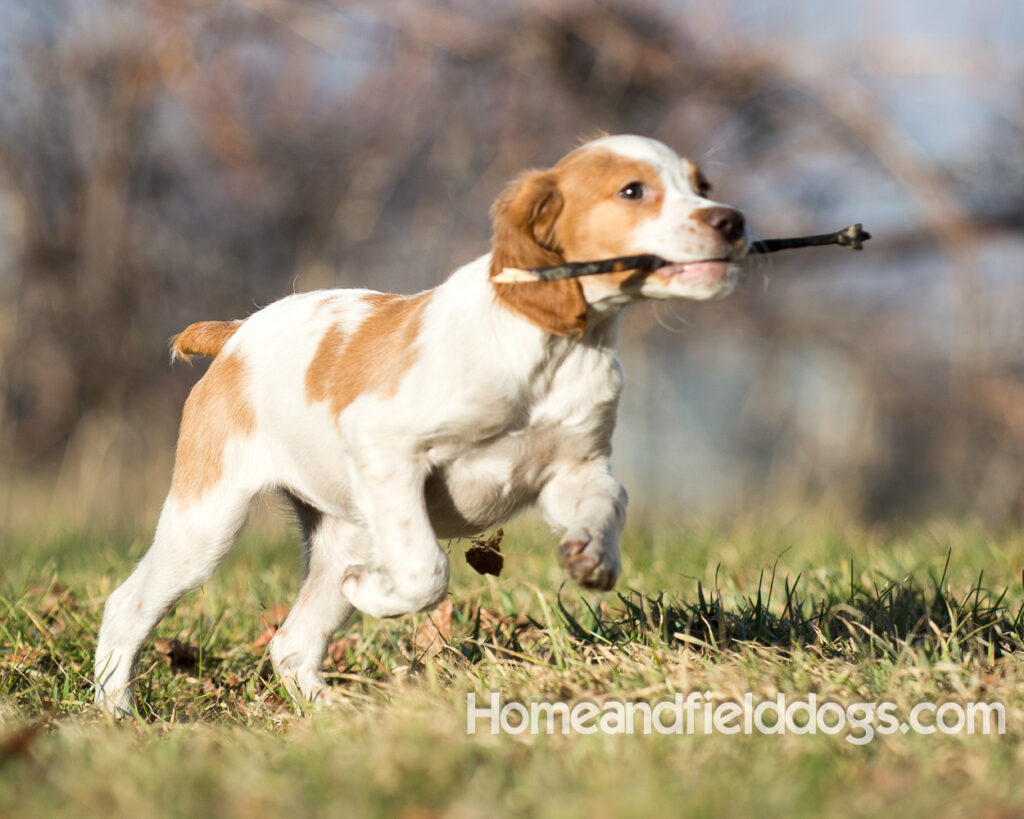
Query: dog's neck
472	312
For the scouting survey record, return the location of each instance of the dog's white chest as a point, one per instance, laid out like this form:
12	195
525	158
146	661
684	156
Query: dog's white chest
492	480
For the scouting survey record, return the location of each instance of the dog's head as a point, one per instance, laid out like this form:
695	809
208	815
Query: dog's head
614	196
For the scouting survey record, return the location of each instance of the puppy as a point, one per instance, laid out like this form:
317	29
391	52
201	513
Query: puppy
391	421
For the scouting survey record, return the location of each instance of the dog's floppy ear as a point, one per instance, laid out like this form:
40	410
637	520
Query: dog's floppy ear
525	235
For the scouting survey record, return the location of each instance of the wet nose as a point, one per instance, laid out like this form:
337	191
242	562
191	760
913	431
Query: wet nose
730	223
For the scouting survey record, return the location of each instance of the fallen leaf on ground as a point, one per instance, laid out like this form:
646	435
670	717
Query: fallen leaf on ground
436	629
180	656
275	615
341	646
53	598
23	656
271	621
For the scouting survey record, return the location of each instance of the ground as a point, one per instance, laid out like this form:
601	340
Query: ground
929	614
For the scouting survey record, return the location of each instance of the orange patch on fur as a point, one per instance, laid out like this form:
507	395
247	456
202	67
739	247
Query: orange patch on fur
596	223
524	217
569	213
203	338
217	409
371	359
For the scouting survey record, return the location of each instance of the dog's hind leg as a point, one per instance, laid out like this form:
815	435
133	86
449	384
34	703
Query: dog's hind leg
190	542
300	645
219	468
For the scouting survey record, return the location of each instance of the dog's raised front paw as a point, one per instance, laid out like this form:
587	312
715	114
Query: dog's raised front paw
587	561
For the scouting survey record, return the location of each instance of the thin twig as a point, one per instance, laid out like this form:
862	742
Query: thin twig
852	237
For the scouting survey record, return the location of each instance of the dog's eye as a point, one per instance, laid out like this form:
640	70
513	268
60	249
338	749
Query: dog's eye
699	182
634	190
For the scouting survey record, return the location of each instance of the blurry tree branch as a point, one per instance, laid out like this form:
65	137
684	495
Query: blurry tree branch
170	162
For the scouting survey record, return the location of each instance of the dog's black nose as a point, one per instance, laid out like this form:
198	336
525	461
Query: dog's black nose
730	223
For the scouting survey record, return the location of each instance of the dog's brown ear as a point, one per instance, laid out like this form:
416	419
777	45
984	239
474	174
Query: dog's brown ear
525	235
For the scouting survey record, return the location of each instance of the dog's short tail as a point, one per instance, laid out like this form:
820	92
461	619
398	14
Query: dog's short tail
202	338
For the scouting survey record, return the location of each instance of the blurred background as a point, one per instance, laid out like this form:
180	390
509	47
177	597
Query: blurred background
165	162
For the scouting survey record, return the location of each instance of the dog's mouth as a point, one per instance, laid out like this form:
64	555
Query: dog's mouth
705	270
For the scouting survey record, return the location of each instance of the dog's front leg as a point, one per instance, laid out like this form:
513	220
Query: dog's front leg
407	570
585	501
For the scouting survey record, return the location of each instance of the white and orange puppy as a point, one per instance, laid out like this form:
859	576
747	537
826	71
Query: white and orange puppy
392	421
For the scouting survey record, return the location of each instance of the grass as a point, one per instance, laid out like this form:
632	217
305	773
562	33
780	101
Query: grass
932	615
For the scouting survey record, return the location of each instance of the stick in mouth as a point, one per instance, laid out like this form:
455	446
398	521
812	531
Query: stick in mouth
852	237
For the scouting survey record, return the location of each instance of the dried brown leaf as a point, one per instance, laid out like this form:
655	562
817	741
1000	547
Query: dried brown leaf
271	620
267	635
53	598
181	657
338	649
485	557
24	656
436	629
274	616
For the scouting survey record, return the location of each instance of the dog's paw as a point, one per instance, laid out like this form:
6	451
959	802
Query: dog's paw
588	561
308	690
119	707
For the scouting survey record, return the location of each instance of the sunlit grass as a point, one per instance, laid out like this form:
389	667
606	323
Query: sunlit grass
930	615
